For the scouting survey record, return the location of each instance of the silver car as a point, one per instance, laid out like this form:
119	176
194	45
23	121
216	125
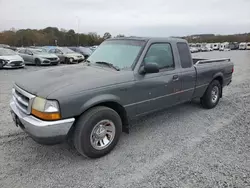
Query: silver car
38	57
10	59
67	55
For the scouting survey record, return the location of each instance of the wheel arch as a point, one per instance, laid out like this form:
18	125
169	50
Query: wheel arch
110	101
219	78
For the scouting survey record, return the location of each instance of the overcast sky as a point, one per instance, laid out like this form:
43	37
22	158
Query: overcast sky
129	17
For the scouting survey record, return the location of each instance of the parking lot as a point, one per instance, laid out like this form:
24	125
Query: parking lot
184	146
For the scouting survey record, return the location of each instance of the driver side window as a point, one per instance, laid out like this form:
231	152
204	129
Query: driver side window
161	54
29	52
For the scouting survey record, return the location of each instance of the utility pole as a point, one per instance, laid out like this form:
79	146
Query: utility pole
78	23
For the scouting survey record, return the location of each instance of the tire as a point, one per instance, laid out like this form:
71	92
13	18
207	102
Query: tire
89	123
1	64
212	95
37	62
67	61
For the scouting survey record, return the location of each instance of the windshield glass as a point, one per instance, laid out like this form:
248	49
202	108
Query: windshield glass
4	51
120	53
66	50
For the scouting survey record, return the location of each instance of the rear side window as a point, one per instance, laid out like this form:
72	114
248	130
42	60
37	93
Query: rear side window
185	57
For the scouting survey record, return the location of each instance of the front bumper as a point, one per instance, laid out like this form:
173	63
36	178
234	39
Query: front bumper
14	66
48	132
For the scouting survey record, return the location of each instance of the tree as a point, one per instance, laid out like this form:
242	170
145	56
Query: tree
106	36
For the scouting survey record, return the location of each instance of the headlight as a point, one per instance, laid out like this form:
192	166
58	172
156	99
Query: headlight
46	109
4	61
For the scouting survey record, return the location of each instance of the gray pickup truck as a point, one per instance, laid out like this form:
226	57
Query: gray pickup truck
123	79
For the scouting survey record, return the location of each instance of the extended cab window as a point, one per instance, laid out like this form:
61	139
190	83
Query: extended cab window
185	57
161	54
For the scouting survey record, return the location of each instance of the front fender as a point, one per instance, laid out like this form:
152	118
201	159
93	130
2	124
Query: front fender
98	100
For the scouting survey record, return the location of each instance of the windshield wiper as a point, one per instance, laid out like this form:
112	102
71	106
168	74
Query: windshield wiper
108	64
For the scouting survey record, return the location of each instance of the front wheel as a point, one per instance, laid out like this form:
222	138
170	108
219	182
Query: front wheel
212	95
97	132
37	62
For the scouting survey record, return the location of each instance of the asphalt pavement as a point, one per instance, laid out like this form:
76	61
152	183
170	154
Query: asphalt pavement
184	146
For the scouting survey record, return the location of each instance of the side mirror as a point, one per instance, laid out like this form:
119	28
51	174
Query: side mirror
149	68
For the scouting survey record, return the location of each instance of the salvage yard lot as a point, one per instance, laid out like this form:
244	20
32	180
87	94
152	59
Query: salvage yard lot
184	146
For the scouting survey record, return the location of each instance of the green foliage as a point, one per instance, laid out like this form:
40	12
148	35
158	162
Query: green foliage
50	36
218	38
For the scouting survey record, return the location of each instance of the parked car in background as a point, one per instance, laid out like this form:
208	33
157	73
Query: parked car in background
10	59
243	46
204	49
224	46
4	45
38	57
216	46
248	46
234	45
209	46
86	52
138	76
93	48
198	46
67	55
193	50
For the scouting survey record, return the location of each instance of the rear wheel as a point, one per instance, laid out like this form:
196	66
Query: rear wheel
212	95
97	132
37	62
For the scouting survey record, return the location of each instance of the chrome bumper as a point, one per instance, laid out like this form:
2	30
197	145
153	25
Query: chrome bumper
52	131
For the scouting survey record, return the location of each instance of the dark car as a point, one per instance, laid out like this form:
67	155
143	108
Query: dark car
86	52
124	78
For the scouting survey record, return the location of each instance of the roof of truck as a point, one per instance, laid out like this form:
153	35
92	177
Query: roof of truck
150	38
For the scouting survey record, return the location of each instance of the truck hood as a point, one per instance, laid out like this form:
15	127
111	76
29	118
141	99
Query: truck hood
12	58
70	80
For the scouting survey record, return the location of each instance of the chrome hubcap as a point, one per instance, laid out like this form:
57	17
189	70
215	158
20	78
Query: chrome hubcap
102	134
215	94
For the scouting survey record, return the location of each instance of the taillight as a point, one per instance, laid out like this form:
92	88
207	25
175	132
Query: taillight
233	70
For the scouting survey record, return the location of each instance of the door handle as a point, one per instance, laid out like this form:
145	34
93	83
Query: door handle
175	77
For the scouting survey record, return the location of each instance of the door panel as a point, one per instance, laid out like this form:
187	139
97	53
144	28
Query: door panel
157	91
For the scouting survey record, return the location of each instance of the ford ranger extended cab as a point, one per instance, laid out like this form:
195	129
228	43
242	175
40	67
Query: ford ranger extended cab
123	79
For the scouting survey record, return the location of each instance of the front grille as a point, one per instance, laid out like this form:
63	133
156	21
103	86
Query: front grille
22	99
16	63
52	59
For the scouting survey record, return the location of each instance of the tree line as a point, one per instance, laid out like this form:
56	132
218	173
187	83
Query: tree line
50	36
211	38
62	37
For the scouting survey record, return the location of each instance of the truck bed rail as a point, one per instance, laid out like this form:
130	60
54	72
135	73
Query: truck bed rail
211	61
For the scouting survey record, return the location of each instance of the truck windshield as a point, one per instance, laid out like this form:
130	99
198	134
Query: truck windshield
120	53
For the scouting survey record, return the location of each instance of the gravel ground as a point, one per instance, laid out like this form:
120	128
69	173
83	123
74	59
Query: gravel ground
185	146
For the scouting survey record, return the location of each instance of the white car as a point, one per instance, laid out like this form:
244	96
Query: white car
193	50
248	46
10	59
243	46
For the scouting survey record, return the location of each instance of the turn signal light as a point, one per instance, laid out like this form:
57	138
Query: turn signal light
49	116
